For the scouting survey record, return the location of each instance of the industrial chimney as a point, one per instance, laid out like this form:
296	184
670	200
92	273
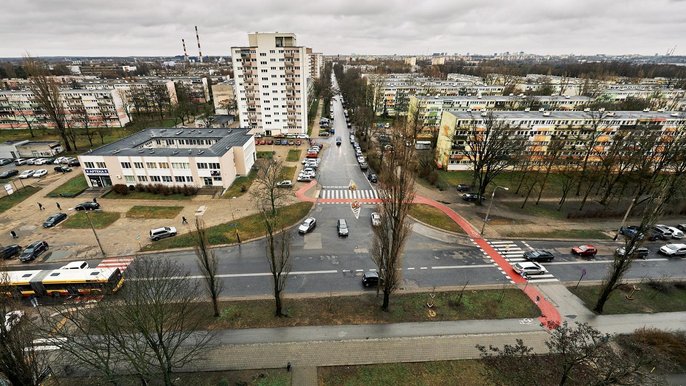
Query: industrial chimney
198	38
185	53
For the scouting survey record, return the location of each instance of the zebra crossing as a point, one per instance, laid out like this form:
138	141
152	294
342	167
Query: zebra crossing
117	262
513	253
343	194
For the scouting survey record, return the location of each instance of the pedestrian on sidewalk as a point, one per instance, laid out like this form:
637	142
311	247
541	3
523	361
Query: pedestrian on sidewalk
14	234
288	367
183	220
95	200
40	206
58	206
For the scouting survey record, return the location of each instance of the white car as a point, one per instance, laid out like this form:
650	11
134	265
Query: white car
284	184
76	265
12	318
58	160
302	136
26	173
307	225
41	161
304	178
673	249
526	268
39	173
31	161
676	233
376	219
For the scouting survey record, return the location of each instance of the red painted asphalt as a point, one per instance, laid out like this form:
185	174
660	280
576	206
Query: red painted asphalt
549	318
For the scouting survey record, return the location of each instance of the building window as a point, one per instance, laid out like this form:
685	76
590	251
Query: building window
151	165
202	165
180	165
155	179
129	179
166	179
138	165
142	179
219	178
89	165
126	165
101	165
214	165
164	165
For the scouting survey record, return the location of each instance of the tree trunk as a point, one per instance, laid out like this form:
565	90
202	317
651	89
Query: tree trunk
277	302
528	193
588	192
215	305
606	292
386	299
545	179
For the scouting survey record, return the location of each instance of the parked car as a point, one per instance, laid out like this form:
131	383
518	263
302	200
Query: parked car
13	318
372	177
88	205
304	178
161	233
307	226
58	160
641	252
464	187
76	265
39	173
585	250
9	173
5	161
673	249
376	219
42	161
302	136
9	251
54	220
62	169
26	173
370	279
539	255
33	250
630	231
473	197
666	232
681	227
31	161
73	162
342	227
363	166
20	161
676	233
526	268
284	184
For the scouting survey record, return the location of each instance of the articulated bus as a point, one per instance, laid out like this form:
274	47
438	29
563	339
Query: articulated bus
62	282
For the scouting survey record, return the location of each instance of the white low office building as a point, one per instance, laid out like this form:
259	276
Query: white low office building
173	156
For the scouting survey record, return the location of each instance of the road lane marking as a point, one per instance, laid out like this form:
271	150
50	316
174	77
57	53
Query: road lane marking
598	261
463	266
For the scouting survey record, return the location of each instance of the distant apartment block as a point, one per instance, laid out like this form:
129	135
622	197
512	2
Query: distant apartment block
139	96
95	108
270	77
538	128
316	63
173	156
223	95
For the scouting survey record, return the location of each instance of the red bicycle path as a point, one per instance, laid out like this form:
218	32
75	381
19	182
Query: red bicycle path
550	317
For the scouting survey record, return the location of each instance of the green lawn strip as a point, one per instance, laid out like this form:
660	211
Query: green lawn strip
71	188
287	173
647	299
265	154
364	309
100	220
434	217
294	155
247	227
462	372
559	234
132	195
506	179
261	377
145	212
543	209
15	198
240	185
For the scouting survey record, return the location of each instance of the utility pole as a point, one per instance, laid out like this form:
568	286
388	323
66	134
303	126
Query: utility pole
490	204
94	233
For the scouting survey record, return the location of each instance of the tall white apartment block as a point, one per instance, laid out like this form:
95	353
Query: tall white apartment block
271	83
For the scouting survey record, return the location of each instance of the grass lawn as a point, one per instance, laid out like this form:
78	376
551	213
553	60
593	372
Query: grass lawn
506	179
464	372
294	155
145	212
99	219
434	217
145	196
365	309
287	173
248	228
240	185
312	114
559	234
265	154
262	377
8	202
71	188
651	297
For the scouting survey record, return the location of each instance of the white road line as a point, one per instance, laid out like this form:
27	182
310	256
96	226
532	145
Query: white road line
500	242
542	280
423	268
462	266
596	261
411	269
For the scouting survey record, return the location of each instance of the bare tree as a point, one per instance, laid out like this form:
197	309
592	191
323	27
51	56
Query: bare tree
492	147
268	192
551	159
397	179
278	255
47	94
208	263
81	117
588	136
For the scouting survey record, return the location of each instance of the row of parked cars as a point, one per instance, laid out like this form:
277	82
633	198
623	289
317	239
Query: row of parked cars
310	223
310	164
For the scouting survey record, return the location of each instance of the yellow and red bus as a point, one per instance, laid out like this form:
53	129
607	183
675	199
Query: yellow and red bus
62	282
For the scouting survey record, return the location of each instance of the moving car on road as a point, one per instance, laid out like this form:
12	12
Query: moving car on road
342	227
33	250
88	205
338	141
585	250
372	177
526	268
376	219
54	220
370	279
539	255
673	249
307	226
161	233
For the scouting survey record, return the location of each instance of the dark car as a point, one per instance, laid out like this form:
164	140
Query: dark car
5	161
640	252
54	220
654	234
630	231
9	173
473	197
88	205
74	162
9	251
370	279
62	169
539	255
464	187
33	250
372	177
338	141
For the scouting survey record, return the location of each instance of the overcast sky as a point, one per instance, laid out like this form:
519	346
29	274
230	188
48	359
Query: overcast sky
155	27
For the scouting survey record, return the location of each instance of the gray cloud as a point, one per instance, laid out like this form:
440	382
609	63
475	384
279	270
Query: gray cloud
151	27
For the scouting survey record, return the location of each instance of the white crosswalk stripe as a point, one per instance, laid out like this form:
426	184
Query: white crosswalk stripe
513	253
341	194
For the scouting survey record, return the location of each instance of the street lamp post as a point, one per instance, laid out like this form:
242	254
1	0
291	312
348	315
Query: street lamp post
94	232
490	204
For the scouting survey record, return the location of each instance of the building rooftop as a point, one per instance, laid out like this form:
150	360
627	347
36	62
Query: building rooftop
609	115
143	143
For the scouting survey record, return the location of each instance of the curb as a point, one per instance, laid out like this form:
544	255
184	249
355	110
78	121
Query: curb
461	235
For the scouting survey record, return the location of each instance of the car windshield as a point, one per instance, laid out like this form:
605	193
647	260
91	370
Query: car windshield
583	247
671	247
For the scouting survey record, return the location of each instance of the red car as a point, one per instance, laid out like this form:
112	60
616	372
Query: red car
312	154
585	250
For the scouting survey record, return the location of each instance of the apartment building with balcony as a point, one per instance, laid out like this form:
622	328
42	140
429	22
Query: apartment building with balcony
270	76
316	63
172	156
95	108
223	96
539	128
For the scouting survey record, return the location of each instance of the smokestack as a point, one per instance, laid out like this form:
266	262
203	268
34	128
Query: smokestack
185	53
198	38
